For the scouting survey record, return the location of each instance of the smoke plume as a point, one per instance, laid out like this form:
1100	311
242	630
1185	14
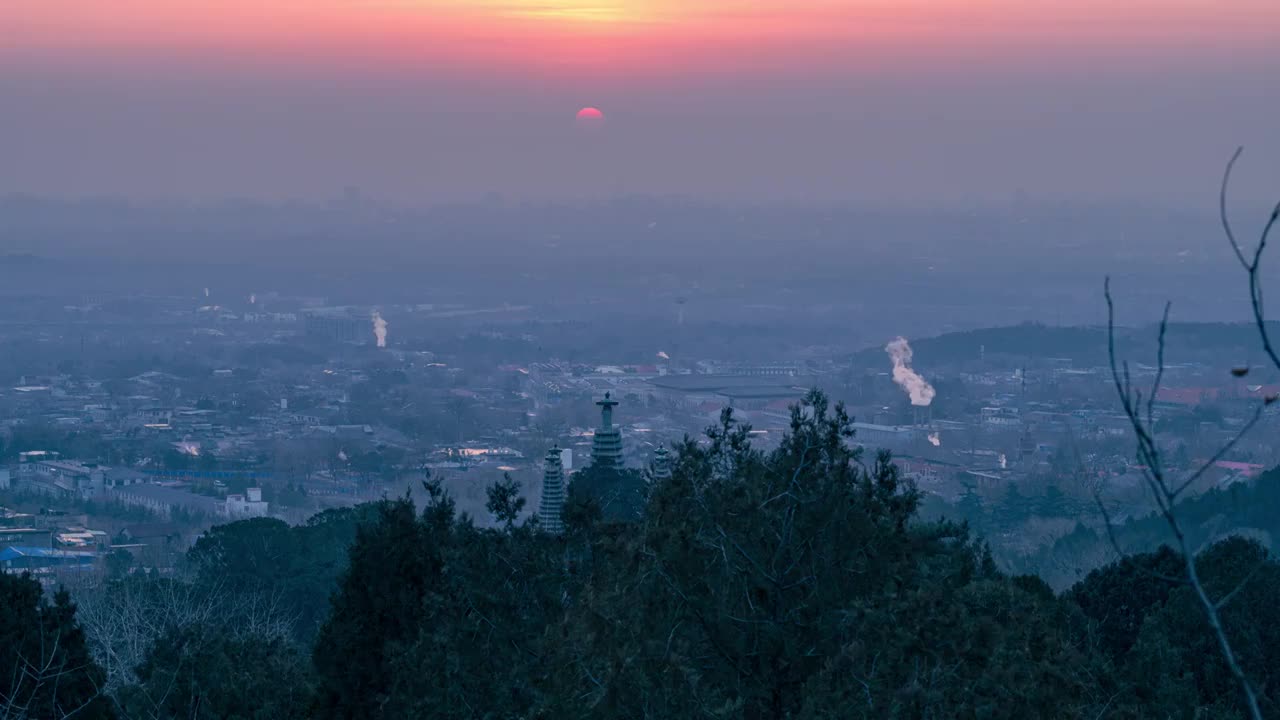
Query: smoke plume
935	439
918	388
379	329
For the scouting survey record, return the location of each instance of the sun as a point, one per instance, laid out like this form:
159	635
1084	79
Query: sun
590	118
576	11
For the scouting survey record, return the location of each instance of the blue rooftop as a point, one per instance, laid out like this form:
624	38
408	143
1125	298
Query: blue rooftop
13	553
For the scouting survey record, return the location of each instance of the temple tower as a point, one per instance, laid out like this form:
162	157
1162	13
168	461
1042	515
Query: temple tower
551	509
661	469
606	447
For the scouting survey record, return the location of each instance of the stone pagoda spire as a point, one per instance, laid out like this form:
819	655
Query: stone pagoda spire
552	506
661	469
606	447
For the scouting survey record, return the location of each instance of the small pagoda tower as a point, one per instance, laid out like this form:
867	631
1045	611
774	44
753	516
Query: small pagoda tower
551	509
606	447
661	469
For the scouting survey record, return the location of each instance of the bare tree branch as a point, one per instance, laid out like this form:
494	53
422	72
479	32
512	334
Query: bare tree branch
1252	266
1165	494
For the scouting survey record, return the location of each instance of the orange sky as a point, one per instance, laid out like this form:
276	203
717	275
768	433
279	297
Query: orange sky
661	36
876	100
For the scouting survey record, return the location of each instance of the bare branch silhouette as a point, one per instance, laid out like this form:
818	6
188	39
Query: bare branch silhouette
1252	265
1164	491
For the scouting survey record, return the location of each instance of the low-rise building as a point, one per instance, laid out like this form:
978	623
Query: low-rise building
250	504
17	558
165	500
26	537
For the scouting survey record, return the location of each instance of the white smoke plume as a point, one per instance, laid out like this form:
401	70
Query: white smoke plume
935	439
662	355
918	388
379	329
253	299
206	292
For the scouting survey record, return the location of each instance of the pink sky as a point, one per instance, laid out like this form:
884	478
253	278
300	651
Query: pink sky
911	101
646	36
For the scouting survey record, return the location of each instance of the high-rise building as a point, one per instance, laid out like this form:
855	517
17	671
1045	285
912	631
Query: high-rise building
550	511
606	447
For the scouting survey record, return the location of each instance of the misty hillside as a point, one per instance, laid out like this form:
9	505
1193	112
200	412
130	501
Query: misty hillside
1226	344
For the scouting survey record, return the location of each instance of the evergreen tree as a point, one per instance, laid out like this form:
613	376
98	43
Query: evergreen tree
45	667
971	510
795	583
504	501
746	578
1053	503
1175	667
214	672
394	563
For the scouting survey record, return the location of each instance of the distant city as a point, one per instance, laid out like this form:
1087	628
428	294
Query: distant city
135	423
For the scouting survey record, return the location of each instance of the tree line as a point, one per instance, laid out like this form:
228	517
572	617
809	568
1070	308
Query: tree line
795	583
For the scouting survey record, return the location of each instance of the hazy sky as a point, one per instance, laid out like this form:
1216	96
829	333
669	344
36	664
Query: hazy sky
859	102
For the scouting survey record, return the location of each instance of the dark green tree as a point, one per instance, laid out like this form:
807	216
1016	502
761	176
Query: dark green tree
505	502
1175	667
214	672
481	646
1119	597
298	566
1053	503
751	573
118	563
1014	508
244	555
971	510
993	647
45	667
395	561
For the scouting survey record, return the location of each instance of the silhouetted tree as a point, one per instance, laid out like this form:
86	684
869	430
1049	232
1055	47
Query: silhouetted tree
45	667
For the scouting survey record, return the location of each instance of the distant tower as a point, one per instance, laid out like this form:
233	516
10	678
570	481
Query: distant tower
606	447
552	507
661	469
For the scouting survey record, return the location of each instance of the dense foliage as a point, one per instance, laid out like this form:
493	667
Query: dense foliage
1248	509
796	583
45	667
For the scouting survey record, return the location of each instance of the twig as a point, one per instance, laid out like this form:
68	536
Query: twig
1251	267
1148	452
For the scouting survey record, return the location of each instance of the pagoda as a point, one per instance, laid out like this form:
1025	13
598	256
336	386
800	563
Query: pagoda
661	468
606	446
551	509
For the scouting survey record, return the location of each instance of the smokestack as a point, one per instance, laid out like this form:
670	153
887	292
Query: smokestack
379	329
921	392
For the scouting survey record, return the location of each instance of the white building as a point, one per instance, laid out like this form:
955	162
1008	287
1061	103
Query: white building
248	505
